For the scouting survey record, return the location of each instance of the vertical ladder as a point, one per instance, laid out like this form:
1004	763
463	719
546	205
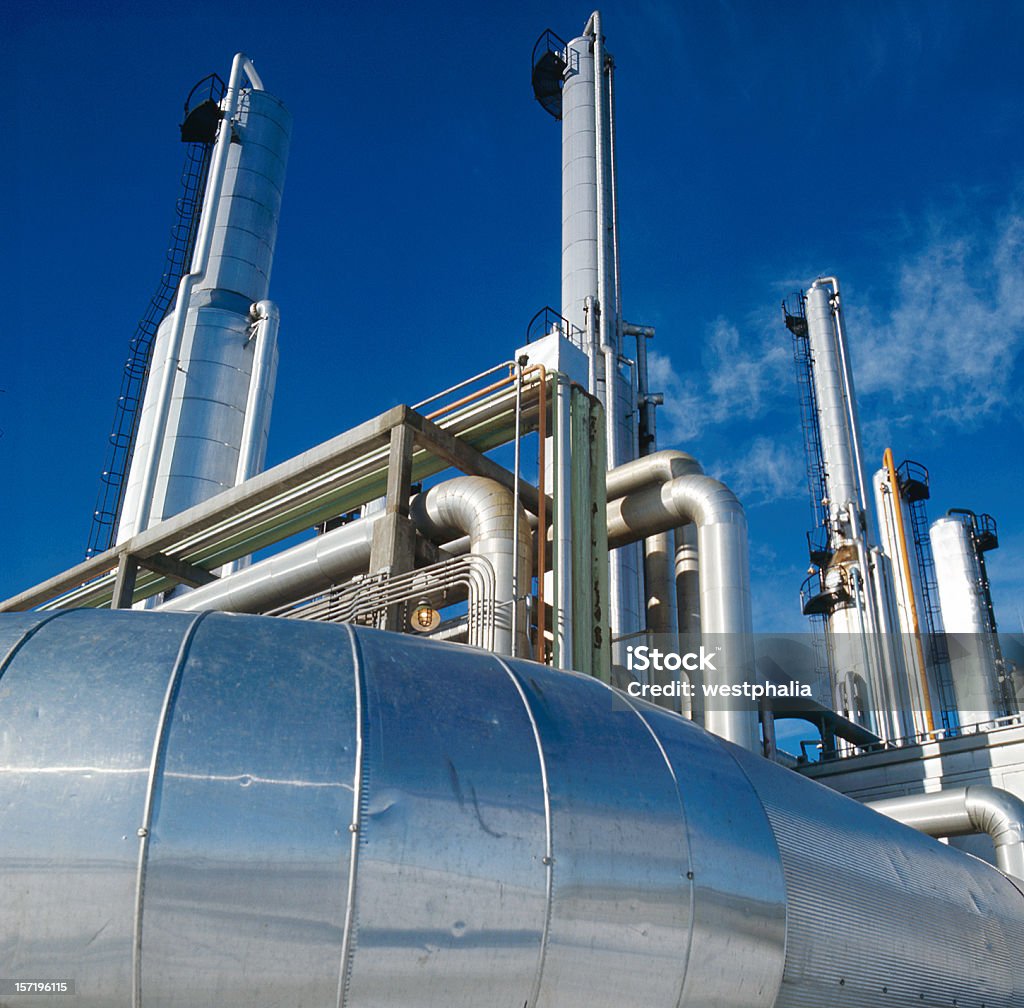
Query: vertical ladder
817	538
915	491
796	322
204	110
984	537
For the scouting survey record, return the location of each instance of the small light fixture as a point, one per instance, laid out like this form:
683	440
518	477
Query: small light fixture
424	617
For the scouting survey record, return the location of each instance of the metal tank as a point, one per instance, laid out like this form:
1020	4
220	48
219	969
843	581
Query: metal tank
239	810
204	418
964	608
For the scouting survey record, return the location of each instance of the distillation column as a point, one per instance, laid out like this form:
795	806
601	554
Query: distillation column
861	664
206	410
590	280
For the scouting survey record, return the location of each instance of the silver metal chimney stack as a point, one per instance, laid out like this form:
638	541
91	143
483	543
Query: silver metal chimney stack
204	419
590	279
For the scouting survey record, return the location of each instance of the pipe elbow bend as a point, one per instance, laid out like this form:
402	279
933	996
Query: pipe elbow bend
704	501
266	309
996	812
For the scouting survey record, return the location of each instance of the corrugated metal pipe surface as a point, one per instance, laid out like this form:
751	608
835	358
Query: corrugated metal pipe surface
963	811
237	810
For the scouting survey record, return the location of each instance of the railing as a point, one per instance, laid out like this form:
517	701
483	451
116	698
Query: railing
922	738
547	321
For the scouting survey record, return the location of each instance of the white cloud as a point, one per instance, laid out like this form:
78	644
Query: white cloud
949	345
741	379
767	471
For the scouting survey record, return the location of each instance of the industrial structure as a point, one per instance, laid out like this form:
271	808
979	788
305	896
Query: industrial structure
293	806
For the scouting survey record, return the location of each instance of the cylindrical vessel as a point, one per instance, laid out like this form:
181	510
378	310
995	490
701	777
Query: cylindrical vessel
964	617
837	446
199	453
240	810
580	229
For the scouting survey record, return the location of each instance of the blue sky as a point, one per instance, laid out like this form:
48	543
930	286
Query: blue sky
759	146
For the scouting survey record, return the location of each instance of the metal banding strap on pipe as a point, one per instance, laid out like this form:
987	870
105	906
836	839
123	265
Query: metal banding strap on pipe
26	636
155	766
348	938
549	849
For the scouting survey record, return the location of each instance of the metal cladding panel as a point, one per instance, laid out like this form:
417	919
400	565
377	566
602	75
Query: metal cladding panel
965	618
15	632
958	577
836	436
144	436
335	815
244	234
620	898
881	914
75	748
247	866
739	893
207	411
450	877
579	183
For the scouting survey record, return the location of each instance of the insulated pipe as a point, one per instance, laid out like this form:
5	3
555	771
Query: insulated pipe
726	622
658	467
561	463
315	565
483	508
414	823
962	812
200	260
604	301
613	186
687	583
261	384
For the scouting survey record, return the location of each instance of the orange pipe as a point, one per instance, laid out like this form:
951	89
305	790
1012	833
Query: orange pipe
471	396
901	536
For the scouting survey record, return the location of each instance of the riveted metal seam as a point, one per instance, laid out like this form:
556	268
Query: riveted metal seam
549	843
155	765
624	697
348	934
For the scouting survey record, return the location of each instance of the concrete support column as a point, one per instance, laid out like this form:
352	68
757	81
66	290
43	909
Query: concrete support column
392	549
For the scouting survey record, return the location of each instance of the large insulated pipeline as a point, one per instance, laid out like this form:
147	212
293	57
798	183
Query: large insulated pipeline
266	811
645	503
485	511
965	811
